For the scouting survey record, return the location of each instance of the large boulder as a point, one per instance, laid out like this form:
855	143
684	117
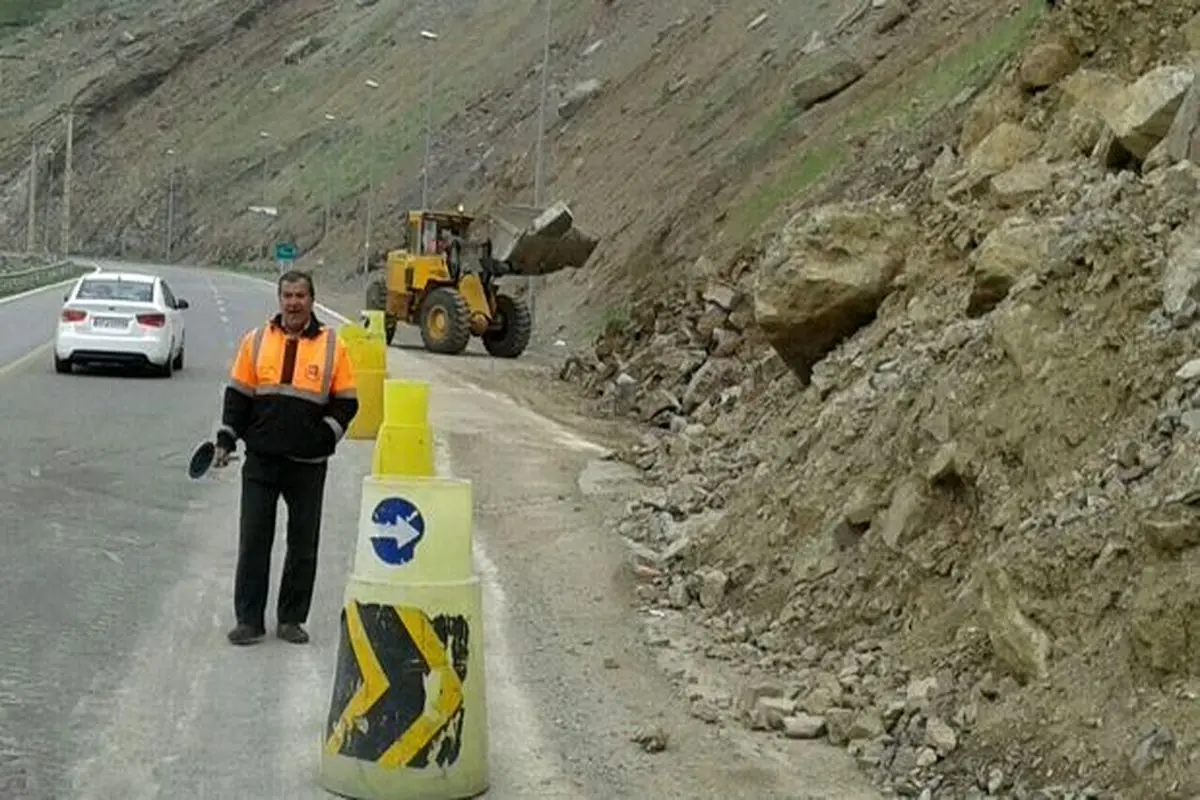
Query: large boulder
1148	108
1182	142
826	274
1022	183
837	76
1046	64
579	96
1090	99
1020	646
1017	247
1094	88
1006	146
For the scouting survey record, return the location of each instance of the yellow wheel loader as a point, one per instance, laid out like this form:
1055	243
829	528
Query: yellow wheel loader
444	282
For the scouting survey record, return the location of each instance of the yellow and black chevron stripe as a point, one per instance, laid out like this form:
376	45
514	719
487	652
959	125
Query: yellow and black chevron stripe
389	659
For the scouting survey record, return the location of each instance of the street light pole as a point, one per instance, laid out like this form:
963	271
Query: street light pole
531	281
541	130
266	157
66	198
170	202
432	64
264	136
328	183
45	201
31	221
366	258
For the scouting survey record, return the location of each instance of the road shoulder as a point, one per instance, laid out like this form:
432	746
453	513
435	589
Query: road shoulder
608	683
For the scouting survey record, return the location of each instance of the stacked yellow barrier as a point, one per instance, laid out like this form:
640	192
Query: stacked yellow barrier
368	354
404	443
408	716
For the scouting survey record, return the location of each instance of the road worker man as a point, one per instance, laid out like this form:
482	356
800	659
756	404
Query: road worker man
290	398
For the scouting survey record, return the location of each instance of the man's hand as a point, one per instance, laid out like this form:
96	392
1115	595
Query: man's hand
220	457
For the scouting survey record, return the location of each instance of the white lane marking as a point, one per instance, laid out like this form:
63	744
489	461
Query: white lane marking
219	301
509	705
28	358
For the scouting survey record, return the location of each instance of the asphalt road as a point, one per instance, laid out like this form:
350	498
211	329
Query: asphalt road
116	682
114	594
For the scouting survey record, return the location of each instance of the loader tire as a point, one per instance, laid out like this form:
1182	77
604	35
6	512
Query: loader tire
377	295
389	328
445	322
514	327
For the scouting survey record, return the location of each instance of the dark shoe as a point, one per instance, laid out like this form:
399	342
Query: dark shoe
246	634
291	632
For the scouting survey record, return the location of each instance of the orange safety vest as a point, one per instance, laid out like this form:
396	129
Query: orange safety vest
295	384
317	368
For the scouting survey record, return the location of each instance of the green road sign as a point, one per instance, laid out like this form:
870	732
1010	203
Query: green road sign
285	251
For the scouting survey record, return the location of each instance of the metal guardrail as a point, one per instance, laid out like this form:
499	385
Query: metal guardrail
24	280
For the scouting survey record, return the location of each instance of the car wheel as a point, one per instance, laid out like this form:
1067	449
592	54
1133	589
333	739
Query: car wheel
62	365
178	363
166	369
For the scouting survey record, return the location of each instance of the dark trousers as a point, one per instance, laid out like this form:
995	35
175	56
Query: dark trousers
302	486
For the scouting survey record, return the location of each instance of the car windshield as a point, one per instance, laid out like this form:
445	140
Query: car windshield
112	289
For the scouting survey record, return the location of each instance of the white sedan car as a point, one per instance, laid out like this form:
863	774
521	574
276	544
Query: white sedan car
125	318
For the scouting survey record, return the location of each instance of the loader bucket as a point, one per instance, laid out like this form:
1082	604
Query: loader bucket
539	241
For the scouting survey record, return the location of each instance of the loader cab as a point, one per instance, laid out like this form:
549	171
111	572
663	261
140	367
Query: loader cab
443	234
427	231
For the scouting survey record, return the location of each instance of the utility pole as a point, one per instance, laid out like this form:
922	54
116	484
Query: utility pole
31	220
541	130
45	202
428	141
264	137
530	280
66	209
366	262
329	179
371	83
170	203
431	62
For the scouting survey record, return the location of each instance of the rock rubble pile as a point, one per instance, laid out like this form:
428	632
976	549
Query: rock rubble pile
926	467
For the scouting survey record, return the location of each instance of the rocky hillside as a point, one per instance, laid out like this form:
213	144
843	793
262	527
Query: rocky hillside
674	128
925	460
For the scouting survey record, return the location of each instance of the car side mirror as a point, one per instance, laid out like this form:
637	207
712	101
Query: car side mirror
66	297
182	304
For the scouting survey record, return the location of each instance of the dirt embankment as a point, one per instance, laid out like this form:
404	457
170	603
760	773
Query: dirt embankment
924	461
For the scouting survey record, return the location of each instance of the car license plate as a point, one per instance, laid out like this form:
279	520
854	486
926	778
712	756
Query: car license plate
109	322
